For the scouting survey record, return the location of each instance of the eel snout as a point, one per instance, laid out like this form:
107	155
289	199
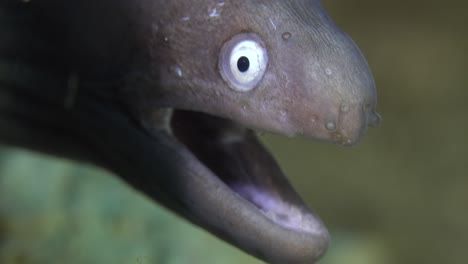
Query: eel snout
353	122
350	124
342	98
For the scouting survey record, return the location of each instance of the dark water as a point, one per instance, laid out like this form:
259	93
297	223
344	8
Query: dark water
399	197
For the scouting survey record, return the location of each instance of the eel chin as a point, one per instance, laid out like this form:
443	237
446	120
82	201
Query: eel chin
250	202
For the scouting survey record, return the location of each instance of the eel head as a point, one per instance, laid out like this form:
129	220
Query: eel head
168	95
229	68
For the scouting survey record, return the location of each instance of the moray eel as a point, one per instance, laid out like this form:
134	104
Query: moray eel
169	94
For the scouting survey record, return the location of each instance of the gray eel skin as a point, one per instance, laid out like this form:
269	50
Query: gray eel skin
169	95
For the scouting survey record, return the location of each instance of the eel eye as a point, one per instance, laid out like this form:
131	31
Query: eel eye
243	61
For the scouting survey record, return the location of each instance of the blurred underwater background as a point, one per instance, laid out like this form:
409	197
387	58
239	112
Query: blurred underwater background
401	196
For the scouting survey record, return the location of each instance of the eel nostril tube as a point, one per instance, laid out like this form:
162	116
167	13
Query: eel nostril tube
373	119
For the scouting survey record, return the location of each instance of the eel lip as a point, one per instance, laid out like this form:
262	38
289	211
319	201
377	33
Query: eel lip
235	189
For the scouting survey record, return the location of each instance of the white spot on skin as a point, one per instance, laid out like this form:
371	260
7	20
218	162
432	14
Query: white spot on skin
330	126
313	119
178	71
328	71
216	11
286	36
272	23
185	18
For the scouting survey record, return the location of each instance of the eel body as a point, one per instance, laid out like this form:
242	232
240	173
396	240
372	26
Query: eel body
169	94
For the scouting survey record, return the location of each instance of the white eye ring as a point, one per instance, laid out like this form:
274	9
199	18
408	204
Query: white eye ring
243	61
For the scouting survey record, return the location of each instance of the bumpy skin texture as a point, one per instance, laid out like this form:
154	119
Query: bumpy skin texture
97	80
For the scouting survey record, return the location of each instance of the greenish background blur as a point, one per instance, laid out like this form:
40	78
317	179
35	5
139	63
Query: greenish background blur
399	197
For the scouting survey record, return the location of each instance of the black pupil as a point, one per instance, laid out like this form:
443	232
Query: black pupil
243	64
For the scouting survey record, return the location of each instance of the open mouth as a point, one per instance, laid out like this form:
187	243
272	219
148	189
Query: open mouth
233	153
266	217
